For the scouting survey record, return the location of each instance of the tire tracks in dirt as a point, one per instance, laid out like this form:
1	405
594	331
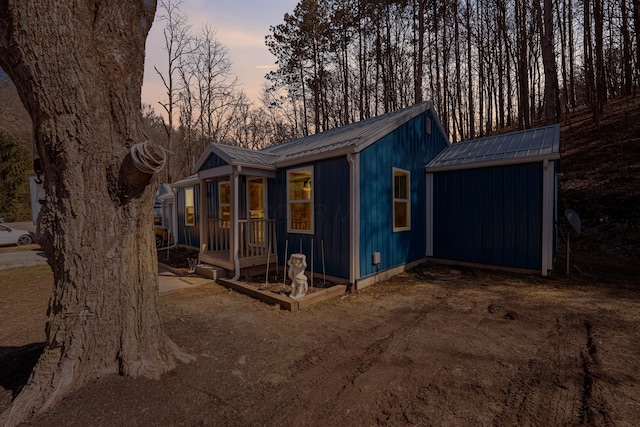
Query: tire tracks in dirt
355	367
560	386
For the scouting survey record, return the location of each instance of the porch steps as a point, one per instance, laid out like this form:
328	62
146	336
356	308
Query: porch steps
211	271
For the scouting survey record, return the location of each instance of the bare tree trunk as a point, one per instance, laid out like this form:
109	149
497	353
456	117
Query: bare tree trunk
481	79
549	61
501	61
78	67
627	61
472	113
436	35
445	73
572	78
362	63
419	54
523	69
636	26
562	18
591	91
601	86
458	61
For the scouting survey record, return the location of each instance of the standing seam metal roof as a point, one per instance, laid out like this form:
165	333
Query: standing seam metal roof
515	147
357	135
236	155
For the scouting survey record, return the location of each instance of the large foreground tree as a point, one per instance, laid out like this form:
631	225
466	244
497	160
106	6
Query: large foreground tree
78	67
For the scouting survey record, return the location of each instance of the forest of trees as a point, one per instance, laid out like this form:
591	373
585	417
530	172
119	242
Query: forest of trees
488	66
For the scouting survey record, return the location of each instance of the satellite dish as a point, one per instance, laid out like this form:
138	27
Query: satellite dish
574	220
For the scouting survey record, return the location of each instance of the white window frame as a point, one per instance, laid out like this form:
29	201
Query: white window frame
396	200
187	206
264	195
291	202
221	205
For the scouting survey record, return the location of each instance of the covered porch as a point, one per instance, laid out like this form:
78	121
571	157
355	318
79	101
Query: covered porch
235	231
256	243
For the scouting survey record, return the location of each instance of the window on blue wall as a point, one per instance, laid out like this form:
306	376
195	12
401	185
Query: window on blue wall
189	207
224	199
401	200
300	200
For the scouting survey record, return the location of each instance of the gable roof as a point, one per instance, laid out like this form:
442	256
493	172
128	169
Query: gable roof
527	146
351	138
243	156
354	137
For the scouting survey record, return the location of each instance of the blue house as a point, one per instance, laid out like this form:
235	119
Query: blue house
339	197
356	200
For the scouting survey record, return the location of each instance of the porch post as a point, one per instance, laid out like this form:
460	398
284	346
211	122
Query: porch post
203	217
429	213
235	241
547	217
354	217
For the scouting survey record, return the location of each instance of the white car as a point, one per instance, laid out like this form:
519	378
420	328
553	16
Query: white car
13	236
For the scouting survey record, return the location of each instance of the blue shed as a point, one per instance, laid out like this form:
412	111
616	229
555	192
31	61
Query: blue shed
492	201
351	199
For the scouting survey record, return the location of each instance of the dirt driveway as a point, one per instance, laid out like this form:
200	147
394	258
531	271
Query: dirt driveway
484	349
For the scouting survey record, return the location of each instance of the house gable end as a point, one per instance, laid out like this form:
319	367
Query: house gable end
408	147
213	161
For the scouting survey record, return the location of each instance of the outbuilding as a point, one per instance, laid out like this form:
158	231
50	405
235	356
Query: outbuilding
492	201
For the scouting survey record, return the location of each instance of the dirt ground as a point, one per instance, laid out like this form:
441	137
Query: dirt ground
468	348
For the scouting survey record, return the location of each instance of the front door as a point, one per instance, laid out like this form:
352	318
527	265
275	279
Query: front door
256	193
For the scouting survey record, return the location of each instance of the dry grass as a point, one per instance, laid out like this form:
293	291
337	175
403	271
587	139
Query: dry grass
6	249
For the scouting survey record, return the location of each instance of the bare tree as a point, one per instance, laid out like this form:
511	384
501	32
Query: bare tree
176	44
78	68
216	92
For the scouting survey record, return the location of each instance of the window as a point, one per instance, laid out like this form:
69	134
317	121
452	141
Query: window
300	198
401	200
224	201
189	207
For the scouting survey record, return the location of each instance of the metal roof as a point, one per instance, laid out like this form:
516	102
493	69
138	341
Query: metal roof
243	156
186	182
354	137
511	148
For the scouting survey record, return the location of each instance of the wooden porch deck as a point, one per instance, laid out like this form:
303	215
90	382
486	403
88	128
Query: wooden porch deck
256	240
223	259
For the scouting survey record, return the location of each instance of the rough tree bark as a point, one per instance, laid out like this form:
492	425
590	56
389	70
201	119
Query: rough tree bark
78	68
551	100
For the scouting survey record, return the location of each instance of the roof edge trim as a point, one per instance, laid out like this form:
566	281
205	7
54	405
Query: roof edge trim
493	163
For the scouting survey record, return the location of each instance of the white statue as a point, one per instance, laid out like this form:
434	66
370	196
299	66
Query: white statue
297	264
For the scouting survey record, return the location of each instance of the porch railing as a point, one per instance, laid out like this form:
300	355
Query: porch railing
255	236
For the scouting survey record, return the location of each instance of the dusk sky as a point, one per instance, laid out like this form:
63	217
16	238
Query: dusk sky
241	26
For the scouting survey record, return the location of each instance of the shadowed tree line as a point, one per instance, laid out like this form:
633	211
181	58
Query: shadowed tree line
487	64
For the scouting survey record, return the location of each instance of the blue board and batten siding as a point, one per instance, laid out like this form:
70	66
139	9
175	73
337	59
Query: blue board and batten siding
489	215
213	161
409	147
188	235
331	196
